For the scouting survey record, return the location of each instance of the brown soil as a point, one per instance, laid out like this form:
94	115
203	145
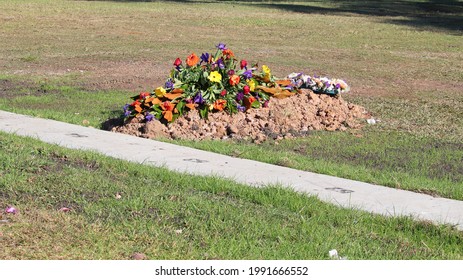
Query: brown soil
285	118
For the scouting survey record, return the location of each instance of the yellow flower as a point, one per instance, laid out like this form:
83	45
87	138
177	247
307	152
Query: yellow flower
266	69
160	91
215	77
252	85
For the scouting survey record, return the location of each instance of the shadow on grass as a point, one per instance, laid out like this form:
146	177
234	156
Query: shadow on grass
439	15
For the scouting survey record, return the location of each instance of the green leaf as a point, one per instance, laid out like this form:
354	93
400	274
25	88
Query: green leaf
255	104
175	116
180	106
203	112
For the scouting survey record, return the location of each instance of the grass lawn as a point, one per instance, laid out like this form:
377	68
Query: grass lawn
80	61
120	208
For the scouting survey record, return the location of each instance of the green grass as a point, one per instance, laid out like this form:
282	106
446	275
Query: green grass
80	61
62	60
55	100
397	160
377	154
166	215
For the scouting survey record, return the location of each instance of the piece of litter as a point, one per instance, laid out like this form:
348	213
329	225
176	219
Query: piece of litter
138	256
333	254
178	231
64	209
118	196
11	210
371	121
3	221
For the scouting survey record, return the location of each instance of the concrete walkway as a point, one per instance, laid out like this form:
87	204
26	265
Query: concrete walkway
342	192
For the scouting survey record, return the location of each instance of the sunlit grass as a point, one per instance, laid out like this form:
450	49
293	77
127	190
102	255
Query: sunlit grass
119	208
63	61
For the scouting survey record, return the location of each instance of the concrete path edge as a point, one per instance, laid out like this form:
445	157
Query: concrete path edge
343	192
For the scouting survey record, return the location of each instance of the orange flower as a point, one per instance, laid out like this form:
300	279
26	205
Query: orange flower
228	53
234	80
251	99
192	60
167	108
220	104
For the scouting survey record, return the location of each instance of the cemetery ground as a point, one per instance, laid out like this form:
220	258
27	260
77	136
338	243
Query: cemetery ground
79	61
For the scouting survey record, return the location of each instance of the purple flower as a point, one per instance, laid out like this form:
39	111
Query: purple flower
239	96
338	86
240	108
149	117
11	210
220	63
205	57
327	84
265	105
221	46
199	98
169	84
247	74
126	110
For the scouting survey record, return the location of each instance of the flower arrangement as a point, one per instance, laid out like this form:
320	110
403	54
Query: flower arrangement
220	82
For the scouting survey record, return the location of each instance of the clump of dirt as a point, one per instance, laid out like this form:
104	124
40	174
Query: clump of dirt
284	118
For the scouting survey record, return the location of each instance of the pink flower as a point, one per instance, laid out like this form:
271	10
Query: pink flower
64	209
246	89
11	210
177	62
243	64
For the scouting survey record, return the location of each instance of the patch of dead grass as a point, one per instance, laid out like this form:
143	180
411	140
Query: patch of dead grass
49	234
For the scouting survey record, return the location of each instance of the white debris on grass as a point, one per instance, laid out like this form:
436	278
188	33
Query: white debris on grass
335	256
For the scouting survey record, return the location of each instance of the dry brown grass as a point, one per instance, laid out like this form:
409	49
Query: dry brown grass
132	45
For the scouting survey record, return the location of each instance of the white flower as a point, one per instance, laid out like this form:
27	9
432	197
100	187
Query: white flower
306	78
333	254
294	75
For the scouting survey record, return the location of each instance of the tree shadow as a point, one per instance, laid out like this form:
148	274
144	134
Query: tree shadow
436	15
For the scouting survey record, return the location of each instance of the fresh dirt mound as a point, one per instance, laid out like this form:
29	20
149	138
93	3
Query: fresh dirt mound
288	117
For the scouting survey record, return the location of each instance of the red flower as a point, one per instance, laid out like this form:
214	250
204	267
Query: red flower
135	103
251	99
144	94
192	60
243	64
234	80
223	93
246	89
177	62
